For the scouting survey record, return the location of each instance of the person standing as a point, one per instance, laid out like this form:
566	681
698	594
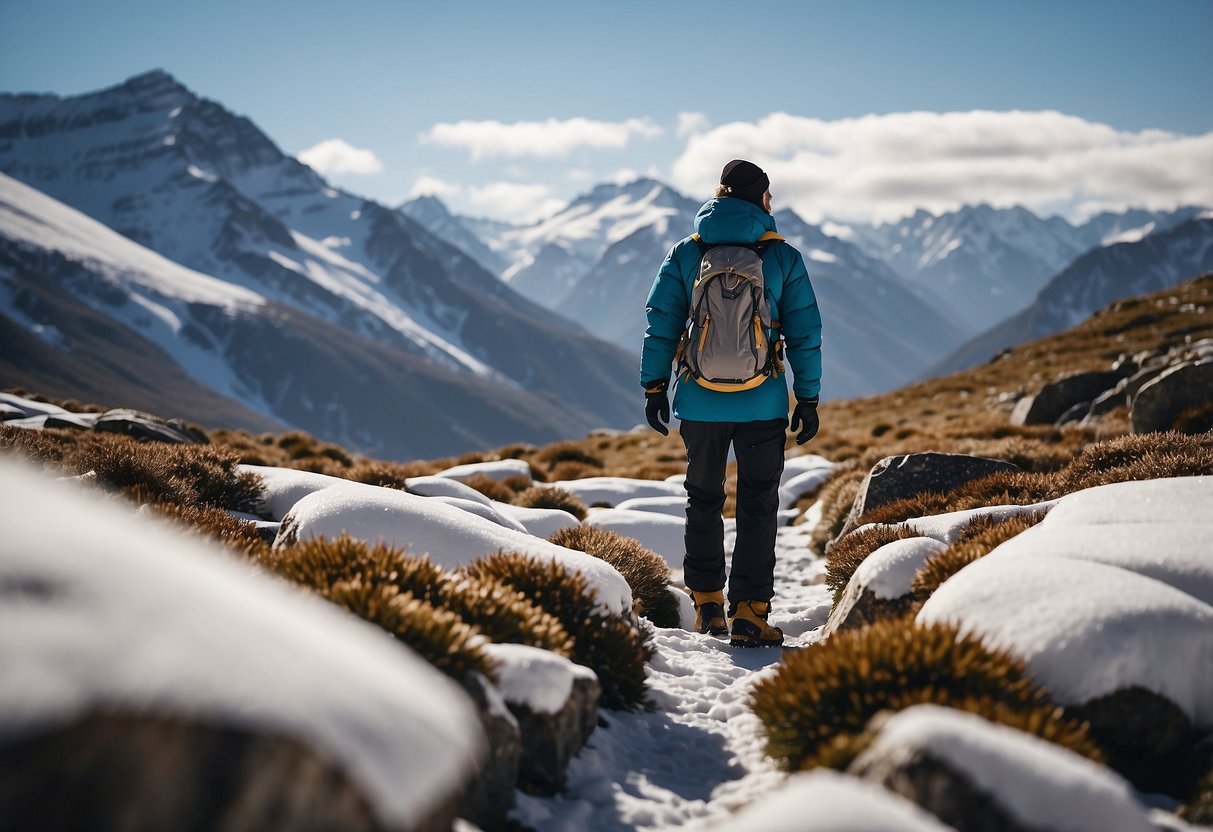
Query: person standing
750	414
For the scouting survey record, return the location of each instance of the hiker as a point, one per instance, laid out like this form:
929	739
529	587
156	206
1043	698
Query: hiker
727	328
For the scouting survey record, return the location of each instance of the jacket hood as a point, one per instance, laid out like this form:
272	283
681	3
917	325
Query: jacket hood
731	220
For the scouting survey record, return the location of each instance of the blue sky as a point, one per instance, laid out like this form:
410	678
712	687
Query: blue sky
382	76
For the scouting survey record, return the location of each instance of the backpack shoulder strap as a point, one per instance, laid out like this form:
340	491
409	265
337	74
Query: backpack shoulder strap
758	246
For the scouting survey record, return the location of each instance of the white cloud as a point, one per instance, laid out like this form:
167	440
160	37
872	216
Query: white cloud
884	167
336	156
519	202
691	123
542	139
623	176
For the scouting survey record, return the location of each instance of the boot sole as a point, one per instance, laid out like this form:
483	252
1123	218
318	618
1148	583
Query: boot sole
745	642
752	638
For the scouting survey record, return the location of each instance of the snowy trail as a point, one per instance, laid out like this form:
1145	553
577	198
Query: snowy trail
698	756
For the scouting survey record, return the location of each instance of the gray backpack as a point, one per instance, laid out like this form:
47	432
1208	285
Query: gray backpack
725	346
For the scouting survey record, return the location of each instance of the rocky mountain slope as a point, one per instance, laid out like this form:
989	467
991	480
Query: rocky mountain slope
206	189
1097	278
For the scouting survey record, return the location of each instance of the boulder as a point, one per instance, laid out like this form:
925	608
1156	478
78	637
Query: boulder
139	425
1159	403
556	705
1109	400
897	477
983	777
108	771
491	795
881	585
1075	414
1047	406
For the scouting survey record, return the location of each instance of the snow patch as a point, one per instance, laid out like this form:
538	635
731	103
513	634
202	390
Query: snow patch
536	679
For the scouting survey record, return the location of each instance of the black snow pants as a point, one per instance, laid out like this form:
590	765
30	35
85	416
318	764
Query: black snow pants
758	447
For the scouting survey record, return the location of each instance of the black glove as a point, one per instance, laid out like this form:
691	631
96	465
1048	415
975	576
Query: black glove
804	419
657	407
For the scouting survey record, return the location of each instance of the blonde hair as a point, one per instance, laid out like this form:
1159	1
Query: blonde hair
722	191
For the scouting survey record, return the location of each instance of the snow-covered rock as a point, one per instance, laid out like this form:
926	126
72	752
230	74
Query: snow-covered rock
612	491
660	532
824	801
449	535
947	527
481	510
556	704
673	505
1086	629
955	764
283	487
111	613
498	469
803	483
1158	502
881	581
541	522
443	487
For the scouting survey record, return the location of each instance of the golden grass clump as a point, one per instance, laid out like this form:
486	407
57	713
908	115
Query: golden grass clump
980	537
156	472
1146	456
547	496
836	497
844	557
572	471
440	636
832	689
645	571
502	614
490	488
556	453
216	524
1195	419
1198	808
607	644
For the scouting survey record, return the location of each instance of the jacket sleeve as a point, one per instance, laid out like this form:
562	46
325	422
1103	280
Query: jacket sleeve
800	321
666	314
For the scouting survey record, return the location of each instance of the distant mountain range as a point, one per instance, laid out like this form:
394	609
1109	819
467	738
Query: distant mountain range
360	325
896	298
1094	280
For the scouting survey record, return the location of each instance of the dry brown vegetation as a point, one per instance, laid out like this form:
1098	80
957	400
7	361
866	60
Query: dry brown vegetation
853	549
980	537
645	571
832	689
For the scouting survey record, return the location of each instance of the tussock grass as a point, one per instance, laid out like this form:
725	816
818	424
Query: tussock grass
546	496
554	454
440	636
502	614
607	644
645	571
213	523
831	690
845	556
490	488
195	476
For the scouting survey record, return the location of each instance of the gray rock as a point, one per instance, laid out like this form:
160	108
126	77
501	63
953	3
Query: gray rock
1159	403
897	477
1109	400
1141	378
552	734
1075	414
1053	400
940	789
110	772
491	795
140	425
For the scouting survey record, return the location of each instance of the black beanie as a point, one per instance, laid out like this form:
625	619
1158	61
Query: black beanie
745	180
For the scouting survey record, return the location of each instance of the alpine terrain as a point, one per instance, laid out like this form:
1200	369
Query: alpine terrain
324	311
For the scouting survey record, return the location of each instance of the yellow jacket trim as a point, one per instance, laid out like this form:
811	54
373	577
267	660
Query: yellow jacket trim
731	388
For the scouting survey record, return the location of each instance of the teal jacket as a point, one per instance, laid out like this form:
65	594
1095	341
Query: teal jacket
793	304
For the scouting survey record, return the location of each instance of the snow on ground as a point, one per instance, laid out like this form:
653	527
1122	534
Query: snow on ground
946	528
541	522
612	491
674	506
443	487
1041	784
499	469
825	801
113	612
700	755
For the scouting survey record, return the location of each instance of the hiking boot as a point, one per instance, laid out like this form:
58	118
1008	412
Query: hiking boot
750	627
709	612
